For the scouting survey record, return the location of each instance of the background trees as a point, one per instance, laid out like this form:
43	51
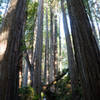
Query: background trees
50	47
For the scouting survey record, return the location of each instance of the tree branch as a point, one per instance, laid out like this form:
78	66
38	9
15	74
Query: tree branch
46	87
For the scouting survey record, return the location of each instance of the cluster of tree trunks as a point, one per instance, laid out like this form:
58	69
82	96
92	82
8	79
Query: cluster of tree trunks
83	59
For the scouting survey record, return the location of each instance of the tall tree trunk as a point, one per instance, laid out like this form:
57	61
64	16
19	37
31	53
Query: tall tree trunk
25	74
51	47
55	48
71	59
86	50
38	50
59	59
59	39
46	70
11	36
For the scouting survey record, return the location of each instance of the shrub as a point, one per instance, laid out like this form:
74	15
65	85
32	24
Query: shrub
27	93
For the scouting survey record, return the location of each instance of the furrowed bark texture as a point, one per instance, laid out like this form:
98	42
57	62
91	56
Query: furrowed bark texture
11	35
86	50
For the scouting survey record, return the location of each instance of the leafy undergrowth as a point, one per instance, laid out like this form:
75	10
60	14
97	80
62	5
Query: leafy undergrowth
64	90
27	93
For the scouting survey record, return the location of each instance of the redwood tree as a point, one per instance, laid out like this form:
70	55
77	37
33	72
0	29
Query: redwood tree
38	49
11	35
86	50
71	59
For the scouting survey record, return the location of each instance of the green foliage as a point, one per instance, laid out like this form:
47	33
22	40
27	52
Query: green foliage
0	19
30	25
27	93
30	22
31	15
23	47
64	89
65	70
